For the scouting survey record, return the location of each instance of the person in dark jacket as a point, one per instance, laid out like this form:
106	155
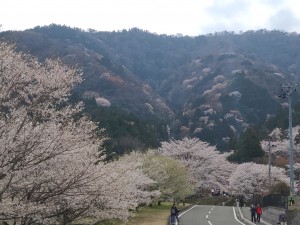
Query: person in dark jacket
174	211
253	213
242	201
282	219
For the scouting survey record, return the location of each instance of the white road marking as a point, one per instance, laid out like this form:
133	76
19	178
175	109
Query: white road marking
186	211
206	216
236	217
210	212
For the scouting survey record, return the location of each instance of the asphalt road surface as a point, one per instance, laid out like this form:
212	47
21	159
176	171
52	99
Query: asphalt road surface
209	215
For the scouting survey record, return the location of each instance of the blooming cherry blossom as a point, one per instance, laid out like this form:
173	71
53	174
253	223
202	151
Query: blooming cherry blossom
251	178
51	171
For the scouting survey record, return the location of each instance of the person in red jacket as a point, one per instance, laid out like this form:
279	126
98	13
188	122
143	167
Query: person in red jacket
258	213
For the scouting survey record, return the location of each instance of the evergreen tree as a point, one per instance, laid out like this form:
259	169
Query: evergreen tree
248	149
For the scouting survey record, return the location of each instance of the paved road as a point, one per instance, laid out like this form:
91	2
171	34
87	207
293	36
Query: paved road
209	215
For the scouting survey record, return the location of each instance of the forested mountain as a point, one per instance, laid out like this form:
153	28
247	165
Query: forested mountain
145	88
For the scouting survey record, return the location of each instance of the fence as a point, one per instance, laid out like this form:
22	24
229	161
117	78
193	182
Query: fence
275	200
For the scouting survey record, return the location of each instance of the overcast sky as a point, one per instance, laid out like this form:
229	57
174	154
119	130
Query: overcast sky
188	17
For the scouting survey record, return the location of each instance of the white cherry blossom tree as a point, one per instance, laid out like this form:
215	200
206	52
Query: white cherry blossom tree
251	178
280	143
279	147
50	170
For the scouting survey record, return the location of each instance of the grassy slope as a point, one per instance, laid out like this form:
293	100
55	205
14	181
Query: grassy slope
155	215
150	215
296	206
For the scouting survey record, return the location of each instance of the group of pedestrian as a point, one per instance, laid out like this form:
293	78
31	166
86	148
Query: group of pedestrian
217	192
256	212
240	202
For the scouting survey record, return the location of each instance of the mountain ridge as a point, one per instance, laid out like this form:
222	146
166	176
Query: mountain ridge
211	86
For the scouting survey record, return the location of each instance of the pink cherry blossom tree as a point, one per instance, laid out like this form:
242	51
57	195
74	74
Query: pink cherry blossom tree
279	142
50	170
251	178
279	146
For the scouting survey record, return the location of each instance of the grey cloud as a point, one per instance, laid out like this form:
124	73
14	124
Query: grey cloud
226	16
223	12
284	19
227	10
272	2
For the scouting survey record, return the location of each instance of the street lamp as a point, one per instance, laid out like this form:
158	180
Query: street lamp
287	93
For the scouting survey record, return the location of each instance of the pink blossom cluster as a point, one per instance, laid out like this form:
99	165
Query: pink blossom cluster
208	169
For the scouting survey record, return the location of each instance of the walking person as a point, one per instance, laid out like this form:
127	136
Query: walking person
175	212
282	219
242	201
258	213
212	192
253	213
237	202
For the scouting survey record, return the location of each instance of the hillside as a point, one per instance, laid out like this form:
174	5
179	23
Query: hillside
158	86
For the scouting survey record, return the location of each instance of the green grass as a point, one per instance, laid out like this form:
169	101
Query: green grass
149	215
109	222
296	206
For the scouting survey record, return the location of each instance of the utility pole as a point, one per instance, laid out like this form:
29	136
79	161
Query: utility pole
287	93
269	150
